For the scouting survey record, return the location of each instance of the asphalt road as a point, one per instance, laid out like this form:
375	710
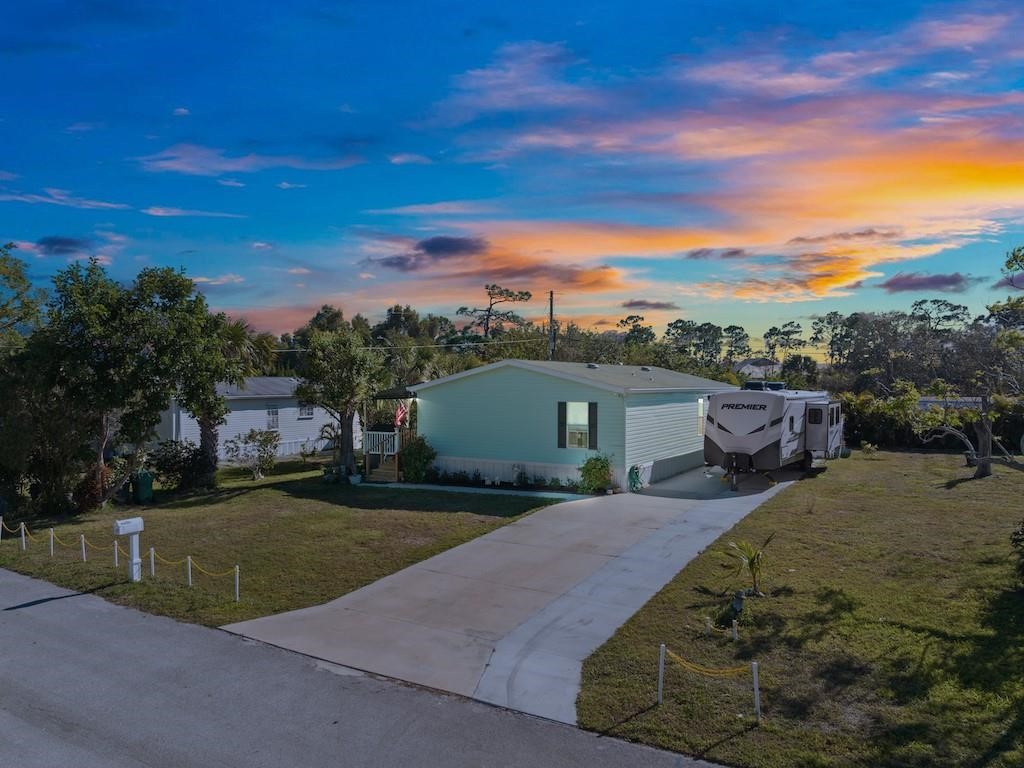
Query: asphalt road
86	683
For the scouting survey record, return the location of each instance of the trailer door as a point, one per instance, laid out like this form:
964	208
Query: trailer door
817	428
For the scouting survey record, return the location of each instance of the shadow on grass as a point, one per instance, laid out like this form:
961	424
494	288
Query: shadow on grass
988	663
702	753
610	730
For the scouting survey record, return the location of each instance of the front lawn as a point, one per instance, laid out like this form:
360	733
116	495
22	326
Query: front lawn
892	633
298	542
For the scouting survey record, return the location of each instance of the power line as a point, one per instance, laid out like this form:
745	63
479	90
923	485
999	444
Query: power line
431	346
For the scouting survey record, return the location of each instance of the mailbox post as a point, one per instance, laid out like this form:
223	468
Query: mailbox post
131	527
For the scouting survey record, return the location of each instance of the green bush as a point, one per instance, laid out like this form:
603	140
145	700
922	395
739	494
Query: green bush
176	465
596	474
256	450
417	457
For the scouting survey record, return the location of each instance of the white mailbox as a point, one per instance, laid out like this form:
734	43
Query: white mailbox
130	525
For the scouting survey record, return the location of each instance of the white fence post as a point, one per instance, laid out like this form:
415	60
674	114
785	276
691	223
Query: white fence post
22	537
188	567
707	625
236	583
735	630
152	561
1	527
757	691
51	542
115	553
661	673
81	540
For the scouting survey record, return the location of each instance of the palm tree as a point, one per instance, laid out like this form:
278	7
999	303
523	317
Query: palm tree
246	353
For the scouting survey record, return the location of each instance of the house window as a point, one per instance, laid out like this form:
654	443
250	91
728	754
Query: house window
272	417
577	425
814	416
700	417
305	411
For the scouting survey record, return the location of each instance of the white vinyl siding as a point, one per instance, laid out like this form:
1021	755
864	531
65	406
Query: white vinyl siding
660	426
249	413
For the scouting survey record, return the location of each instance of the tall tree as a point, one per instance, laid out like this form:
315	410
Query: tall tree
485	317
789	339
19	301
636	333
682	334
120	354
708	347
233	351
737	343
340	374
831	331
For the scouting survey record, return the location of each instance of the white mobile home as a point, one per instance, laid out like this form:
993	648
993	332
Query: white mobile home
262	402
761	431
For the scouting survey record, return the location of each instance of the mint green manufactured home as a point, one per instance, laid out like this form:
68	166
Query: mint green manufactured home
545	418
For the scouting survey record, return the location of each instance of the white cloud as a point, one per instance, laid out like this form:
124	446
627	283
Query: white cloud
366	276
289	185
409	158
181	112
164	211
300	271
7	176
227	279
259	245
61	197
83	127
443	208
230	183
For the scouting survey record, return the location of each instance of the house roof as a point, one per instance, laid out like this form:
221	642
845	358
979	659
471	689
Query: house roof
625	379
260	386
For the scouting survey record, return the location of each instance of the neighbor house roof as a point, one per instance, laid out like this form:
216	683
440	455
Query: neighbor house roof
624	379
260	386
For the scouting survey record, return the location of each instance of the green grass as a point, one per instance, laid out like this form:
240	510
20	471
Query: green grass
298	542
892	633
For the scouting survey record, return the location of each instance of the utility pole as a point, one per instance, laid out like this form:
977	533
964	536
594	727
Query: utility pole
551	325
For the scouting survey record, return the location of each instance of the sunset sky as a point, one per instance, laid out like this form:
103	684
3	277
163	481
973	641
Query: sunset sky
742	162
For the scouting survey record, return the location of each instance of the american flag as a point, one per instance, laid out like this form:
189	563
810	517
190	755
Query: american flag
400	413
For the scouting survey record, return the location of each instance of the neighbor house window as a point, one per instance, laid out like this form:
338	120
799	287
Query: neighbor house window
305	411
577	425
272	417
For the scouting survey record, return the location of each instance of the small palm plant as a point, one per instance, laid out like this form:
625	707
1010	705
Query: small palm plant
750	561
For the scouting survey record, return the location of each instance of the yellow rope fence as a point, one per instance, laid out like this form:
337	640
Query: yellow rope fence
115	547
716	673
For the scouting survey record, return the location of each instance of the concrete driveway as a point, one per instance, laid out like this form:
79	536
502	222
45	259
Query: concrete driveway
508	618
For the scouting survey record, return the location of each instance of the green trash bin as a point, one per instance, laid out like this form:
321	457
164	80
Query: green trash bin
142	487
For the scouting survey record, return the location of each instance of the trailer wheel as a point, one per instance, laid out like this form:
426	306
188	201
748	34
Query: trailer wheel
808	463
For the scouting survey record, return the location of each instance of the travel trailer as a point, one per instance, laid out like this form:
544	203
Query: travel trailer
751	431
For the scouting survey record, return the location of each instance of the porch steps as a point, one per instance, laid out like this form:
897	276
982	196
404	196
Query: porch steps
385	473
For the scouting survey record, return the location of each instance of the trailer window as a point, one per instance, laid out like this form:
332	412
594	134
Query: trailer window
814	416
790	423
831	417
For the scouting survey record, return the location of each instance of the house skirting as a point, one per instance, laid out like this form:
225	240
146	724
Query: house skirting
505	471
662	469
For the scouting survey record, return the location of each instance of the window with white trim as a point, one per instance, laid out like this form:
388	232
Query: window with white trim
273	420
305	411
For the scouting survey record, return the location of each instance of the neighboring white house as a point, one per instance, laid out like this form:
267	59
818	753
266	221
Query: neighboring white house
263	402
545	418
757	367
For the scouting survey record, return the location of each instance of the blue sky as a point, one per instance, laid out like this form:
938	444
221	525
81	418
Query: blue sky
747	162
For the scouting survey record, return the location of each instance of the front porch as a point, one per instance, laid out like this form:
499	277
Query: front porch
382	450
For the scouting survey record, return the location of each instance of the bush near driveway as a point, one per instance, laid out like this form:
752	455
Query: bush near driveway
892	633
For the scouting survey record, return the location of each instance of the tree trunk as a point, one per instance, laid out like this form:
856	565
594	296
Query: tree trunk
208	449
348	454
983	429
